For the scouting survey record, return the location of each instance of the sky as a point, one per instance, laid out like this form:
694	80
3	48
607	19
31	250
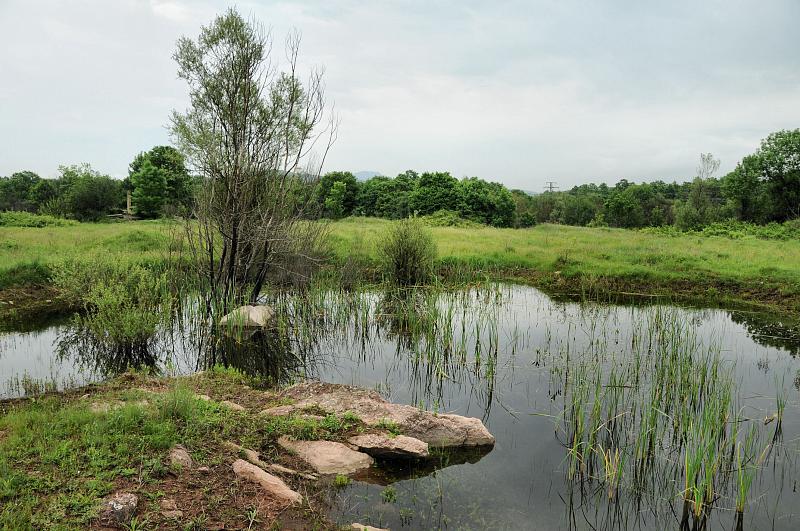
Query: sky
520	92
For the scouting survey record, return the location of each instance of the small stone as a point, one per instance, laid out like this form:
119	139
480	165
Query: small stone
204	398
168	504
382	445
271	484
172	515
120	507
362	527
179	457
204	470
328	457
232	405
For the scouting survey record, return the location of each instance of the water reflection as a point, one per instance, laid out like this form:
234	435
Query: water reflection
510	356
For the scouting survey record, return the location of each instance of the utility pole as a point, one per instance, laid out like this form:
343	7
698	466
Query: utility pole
551	186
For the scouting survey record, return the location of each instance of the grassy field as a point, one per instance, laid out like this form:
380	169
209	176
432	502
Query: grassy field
587	261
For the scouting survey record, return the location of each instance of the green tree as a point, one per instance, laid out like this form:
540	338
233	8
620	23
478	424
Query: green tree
434	191
178	185
351	186
747	192
334	202
149	189
779	158
87	195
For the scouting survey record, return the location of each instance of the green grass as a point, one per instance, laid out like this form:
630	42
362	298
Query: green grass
567	258
558	258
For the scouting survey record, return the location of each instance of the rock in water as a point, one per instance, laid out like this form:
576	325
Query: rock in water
249	317
119	508
327	457
382	445
271	484
444	430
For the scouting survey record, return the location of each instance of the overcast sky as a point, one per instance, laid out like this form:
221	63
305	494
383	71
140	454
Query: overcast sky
519	92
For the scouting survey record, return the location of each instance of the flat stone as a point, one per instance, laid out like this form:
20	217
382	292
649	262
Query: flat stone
443	430
172	515
232	405
327	457
249	317
362	527
271	484
179	457
204	470
383	445
119	508
204	398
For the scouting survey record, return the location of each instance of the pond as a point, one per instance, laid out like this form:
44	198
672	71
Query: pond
575	394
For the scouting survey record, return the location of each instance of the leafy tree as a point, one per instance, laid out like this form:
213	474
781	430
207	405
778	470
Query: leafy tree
747	192
87	195
349	197
249	129
779	158
178	185
16	191
334	202
484	202
149	189
434	191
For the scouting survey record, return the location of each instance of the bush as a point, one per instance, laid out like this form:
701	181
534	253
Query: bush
447	218
407	253
26	219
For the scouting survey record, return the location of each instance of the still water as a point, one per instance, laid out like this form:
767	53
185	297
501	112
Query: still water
501	354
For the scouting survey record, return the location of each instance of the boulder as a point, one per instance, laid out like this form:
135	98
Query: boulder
249	317
443	430
327	457
119	508
386	446
179	457
271	484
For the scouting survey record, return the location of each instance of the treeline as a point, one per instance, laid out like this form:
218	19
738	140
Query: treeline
764	187
158	181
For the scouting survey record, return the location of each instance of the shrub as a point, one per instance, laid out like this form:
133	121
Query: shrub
26	219
407	253
447	218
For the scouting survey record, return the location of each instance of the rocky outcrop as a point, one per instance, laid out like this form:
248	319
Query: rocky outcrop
327	457
119	508
443	430
272	485
249	317
385	446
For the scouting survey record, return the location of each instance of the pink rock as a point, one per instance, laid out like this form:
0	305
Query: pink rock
327	457
271	484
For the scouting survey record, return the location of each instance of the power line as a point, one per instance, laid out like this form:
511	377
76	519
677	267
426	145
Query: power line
551	186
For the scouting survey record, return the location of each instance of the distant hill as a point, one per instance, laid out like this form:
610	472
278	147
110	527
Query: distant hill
364	175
